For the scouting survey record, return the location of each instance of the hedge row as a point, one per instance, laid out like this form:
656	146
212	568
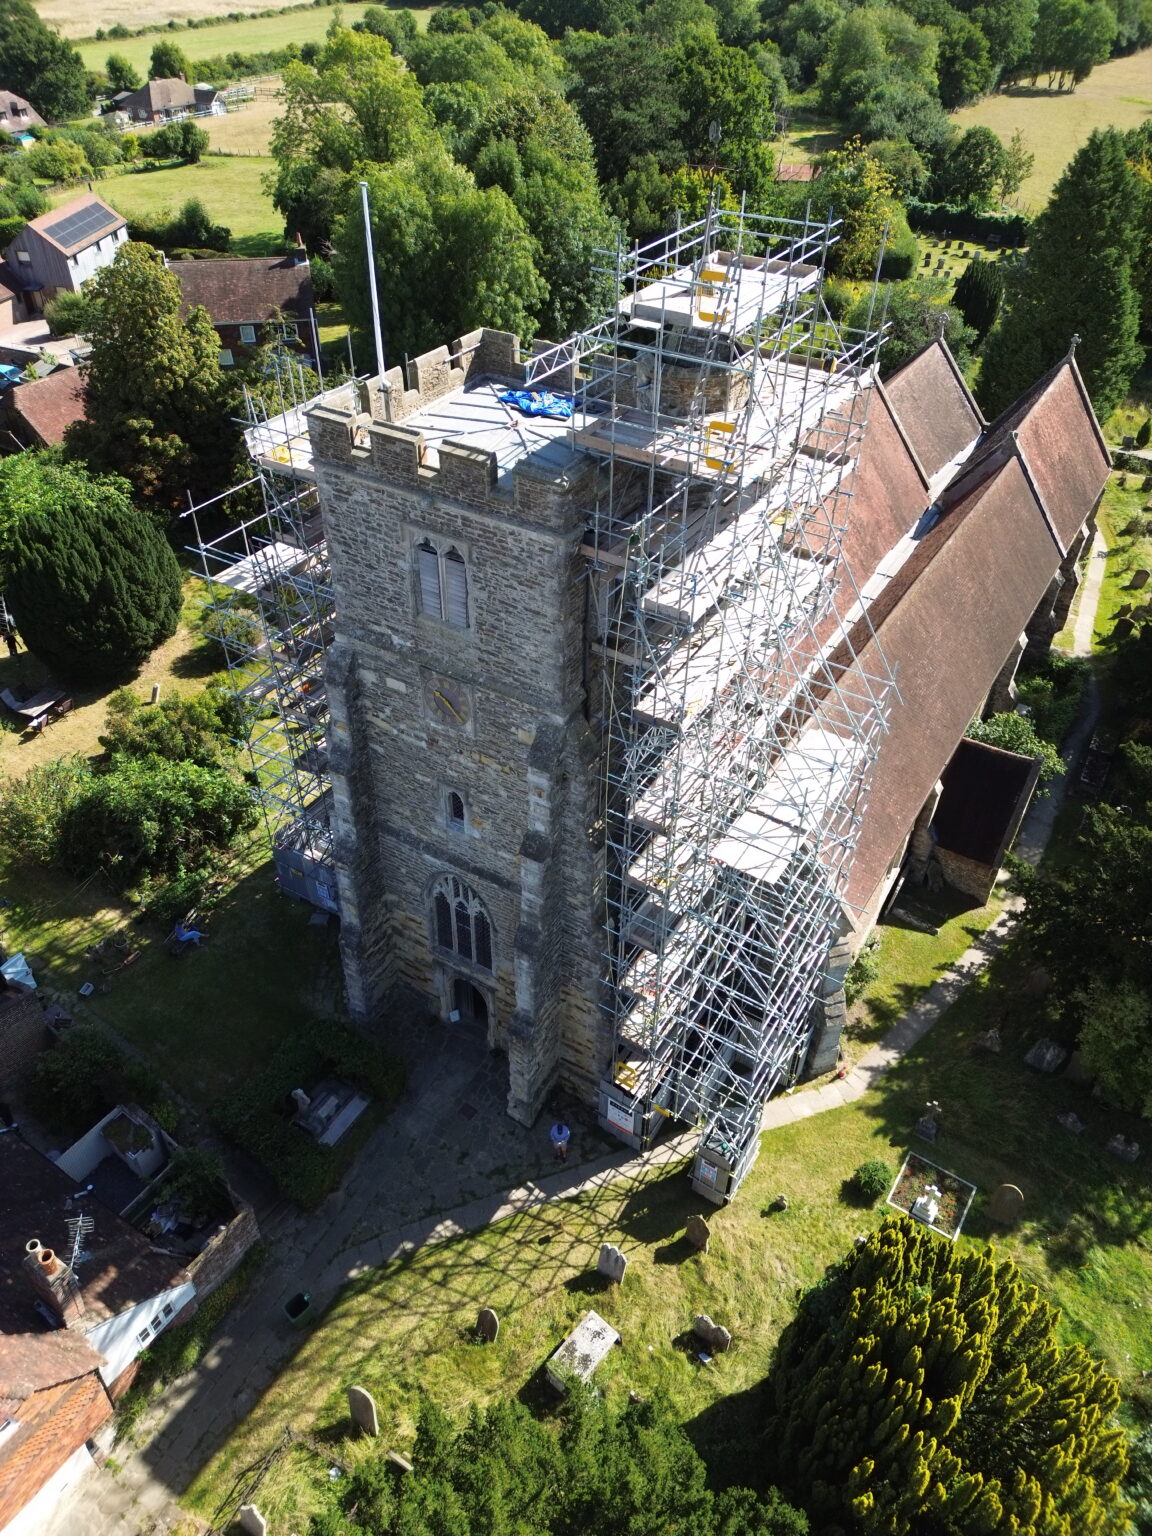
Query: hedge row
1002	229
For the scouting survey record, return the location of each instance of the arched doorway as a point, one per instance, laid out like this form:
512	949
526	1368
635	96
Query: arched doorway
470	1005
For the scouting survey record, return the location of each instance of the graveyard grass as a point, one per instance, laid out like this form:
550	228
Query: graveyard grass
406	1328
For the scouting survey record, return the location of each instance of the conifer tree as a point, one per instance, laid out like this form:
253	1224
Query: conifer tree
159	410
92	586
978	293
921	1392
1076	280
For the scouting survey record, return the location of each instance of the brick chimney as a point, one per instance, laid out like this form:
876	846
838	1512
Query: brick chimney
54	1283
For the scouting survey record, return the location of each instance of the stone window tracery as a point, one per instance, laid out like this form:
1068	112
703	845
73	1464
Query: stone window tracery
461	921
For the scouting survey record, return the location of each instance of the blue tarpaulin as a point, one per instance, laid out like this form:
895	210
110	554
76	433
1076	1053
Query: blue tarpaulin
539	402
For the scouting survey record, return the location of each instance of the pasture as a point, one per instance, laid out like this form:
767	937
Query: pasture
1117	94
229	188
256	36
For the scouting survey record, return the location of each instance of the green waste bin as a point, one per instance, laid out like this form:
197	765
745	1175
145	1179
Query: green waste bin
298	1309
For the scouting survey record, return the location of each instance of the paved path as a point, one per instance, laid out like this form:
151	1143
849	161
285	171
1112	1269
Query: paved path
1088	597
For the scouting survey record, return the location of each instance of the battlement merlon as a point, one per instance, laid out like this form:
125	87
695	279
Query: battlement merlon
455	437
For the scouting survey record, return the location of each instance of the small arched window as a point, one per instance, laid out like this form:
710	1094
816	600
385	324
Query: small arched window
455	808
461	922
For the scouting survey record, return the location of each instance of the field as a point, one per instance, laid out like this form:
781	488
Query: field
256	36
247	131
1117	94
229	187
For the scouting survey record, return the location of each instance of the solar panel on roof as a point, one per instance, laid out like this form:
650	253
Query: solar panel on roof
78	225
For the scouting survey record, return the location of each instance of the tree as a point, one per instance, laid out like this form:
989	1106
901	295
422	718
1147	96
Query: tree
69	314
626	100
1071	37
1017	165
1008	26
58	160
159	409
92	586
40	65
168	62
978	293
600	1468
965	65
184	140
971	169
1077	280
856	187
122	74
1116	1043
202	728
916	312
920	1389
429	216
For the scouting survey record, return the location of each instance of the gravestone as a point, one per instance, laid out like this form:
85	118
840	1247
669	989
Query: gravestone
698	1233
1139	579
582	1351
362	1408
1071	1122
252	1521
487	1325
992	1041
928	1126
1006	1205
612	1263
1076	1071
714	1335
399	1461
1121	1147
1046	1056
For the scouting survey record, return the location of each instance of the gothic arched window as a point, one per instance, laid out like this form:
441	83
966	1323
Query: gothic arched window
461	922
443	583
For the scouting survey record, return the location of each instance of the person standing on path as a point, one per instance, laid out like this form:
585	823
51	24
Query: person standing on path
560	1135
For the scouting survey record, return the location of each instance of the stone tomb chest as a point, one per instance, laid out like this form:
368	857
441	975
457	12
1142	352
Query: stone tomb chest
582	1351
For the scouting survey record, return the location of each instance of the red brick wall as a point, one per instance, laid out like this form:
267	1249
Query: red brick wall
53	1424
125	1379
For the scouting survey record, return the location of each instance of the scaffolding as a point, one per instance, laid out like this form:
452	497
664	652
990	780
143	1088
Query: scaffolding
271	608
726	408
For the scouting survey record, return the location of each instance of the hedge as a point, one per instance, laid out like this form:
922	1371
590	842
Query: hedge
995	229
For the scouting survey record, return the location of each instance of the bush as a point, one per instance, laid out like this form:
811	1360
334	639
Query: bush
1014	733
58	161
33	807
185	141
69	314
862	972
195	1181
872	1179
85	1075
1144	435
995	229
1053	692
191	229
202	728
257	1115
146	817
230	634
900	257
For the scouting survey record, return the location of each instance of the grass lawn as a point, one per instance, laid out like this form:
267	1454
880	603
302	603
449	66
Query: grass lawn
230	188
176	665
948	259
256	36
404	1329
1125	553
1117	94
910	961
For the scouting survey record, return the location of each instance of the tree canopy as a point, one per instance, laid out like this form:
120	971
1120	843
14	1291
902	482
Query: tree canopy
40	65
1078	279
159	409
92	586
920	1391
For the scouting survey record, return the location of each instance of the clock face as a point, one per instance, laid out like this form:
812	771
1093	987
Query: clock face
447	701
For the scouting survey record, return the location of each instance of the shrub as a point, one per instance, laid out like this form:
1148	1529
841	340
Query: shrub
900	256
230	634
202	728
33	808
862	972
85	1075
185	141
58	161
256	1114
1014	733
69	314
996	229
1144	435
195	1180
872	1179
1053	692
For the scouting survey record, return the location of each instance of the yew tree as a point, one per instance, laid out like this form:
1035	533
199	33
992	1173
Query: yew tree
920	1391
91	583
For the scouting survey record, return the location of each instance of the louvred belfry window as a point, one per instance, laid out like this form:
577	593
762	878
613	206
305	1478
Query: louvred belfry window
443	583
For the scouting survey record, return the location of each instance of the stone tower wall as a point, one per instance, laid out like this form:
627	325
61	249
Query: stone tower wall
521	761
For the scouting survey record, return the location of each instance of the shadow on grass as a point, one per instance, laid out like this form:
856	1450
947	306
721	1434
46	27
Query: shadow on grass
661	1208
200	660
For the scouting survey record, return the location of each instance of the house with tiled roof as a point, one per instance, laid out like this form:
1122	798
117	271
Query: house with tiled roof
251	298
38	414
17	115
52	1403
165	101
59	251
